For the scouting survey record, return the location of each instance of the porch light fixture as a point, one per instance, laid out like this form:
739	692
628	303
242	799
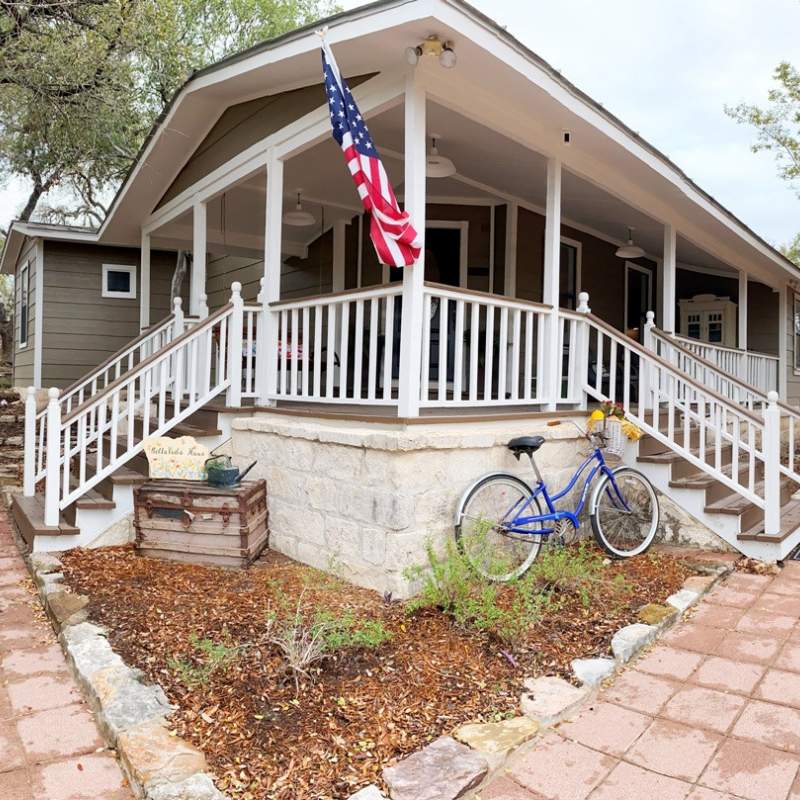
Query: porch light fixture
298	218
433	46
437	166
629	250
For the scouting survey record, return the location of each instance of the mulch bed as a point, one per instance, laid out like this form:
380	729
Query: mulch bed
363	710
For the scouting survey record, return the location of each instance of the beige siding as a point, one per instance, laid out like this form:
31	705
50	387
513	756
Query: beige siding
243	125
81	327
222	271
792	358
24	356
302	277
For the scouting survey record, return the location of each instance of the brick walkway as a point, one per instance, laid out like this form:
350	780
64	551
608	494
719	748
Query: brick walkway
711	713
50	748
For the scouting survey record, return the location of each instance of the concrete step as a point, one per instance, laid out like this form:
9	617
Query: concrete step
28	513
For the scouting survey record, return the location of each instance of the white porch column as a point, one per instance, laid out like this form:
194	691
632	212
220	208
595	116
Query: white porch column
144	282
668	279
742	315
267	355
414	276
550	293
198	281
783	328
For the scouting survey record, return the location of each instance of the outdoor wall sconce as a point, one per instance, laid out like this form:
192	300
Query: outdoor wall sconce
433	46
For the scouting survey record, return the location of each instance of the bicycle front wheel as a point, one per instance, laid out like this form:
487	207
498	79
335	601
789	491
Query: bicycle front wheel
624	513
482	535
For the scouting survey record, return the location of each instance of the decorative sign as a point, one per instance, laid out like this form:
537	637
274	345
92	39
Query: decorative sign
182	459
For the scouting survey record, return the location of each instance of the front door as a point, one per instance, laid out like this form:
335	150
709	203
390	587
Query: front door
638	299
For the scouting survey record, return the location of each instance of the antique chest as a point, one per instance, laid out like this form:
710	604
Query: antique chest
195	523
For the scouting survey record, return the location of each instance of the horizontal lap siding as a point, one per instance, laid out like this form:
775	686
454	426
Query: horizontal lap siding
792	376
303	277
24	357
222	271
83	328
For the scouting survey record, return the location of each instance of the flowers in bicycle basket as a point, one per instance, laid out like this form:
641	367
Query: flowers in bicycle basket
610	420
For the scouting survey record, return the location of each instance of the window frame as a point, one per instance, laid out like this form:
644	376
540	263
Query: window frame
795	332
107	293
24	303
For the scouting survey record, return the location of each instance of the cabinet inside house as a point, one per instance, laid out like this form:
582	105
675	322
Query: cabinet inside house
709	318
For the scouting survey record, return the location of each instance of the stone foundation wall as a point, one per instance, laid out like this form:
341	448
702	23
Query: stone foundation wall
363	499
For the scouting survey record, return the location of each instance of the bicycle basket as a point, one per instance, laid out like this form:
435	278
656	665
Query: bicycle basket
614	437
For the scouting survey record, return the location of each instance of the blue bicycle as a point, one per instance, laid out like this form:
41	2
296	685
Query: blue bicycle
500	524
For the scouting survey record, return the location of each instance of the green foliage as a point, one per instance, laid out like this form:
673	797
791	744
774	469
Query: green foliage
82	81
568	569
792	249
209	657
345	631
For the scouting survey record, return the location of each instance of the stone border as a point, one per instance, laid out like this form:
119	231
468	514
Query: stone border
131	714
481	750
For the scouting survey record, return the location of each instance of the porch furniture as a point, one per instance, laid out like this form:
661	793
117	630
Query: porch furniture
190	521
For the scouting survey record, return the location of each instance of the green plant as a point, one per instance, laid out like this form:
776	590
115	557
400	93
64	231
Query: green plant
209	657
573	569
346	631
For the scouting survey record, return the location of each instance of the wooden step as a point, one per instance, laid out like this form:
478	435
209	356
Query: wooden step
790	522
28	513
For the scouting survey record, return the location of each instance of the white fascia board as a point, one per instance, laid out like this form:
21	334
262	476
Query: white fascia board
460	18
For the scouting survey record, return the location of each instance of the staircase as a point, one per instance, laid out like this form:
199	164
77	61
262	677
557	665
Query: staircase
84	452
721	449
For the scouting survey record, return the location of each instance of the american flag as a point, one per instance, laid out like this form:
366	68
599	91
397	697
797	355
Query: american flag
395	239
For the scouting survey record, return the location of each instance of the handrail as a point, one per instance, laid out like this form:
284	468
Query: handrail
336	297
145	363
715	346
488	298
632	344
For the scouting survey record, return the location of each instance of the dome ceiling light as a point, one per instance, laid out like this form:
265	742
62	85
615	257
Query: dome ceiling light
433	46
298	218
629	250
438	166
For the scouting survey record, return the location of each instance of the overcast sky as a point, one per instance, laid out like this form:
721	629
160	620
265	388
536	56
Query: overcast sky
666	68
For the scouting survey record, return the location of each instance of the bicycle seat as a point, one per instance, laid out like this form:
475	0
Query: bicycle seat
525	444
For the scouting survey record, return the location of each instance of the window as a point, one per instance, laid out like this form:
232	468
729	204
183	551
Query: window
119	281
796	331
24	288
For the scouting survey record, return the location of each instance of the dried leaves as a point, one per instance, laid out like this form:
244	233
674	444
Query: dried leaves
360	709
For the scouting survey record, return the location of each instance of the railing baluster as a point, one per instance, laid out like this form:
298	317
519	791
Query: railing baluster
331	351
388	348
425	373
502	356
528	368
488	355
344	355
372	367
292	348
444	325
474	339
305	350
318	352
458	359
358	361
515	350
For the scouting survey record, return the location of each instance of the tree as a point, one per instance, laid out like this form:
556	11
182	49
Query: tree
778	131
81	82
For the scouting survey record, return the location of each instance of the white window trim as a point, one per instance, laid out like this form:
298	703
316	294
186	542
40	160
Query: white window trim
631	266
129	268
578	263
24	290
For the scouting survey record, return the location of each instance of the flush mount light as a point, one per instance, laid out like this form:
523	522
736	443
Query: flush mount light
298	218
433	46
629	250
438	166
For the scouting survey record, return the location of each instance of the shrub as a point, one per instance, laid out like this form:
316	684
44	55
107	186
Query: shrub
208	658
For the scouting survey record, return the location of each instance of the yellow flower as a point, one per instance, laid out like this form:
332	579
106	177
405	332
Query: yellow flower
597	415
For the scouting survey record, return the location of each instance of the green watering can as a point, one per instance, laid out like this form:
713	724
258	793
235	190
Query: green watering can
221	471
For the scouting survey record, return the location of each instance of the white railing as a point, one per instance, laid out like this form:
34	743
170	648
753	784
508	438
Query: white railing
736	446
97	437
757	369
338	348
481	349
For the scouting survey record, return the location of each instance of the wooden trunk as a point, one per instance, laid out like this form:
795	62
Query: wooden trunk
195	523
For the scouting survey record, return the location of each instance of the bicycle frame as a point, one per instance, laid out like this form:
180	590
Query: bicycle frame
553	515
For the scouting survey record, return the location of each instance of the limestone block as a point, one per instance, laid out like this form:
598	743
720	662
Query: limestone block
630	640
682	599
343	536
444	770
45	563
592	671
497	737
346	463
152	757
196	787
89	651
373	546
549	699
371	792
68	608
656	614
699	583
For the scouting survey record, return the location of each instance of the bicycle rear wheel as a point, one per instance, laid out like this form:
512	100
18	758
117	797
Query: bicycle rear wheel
624	513
492	551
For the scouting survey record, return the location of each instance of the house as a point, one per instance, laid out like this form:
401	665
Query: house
371	396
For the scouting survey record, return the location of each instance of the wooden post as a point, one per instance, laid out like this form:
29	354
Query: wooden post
645	378
29	471
550	293
204	351
235	323
144	282
267	354
177	313
414	276
783	328
772	463
53	465
668	279
261	346
197	284
582	348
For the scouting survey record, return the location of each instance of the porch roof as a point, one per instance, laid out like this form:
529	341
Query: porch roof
380	31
